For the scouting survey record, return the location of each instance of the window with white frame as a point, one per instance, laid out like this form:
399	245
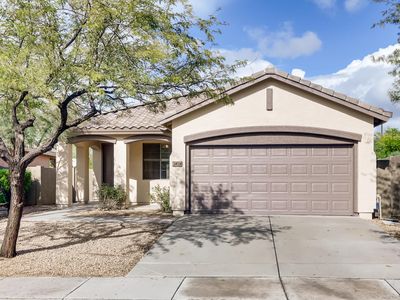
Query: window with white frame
156	161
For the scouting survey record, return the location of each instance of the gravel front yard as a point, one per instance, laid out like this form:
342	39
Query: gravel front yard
73	249
392	229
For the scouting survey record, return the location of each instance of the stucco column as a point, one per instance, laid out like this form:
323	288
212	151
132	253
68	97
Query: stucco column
121	164
177	181
63	175
134	169
82	173
97	170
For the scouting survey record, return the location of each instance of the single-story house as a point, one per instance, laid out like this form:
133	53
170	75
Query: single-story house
285	146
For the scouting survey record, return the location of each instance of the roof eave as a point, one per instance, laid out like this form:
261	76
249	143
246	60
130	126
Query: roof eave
301	84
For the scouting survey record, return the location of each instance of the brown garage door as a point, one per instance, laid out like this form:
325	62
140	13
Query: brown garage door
272	179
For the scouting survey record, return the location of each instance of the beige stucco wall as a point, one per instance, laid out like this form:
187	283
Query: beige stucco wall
128	161
43	189
82	172
64	175
291	107
140	189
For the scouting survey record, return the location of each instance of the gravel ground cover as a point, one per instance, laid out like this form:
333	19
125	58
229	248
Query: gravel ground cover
29	210
392	229
72	249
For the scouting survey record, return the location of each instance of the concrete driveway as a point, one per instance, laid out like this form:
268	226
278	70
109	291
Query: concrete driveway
237	246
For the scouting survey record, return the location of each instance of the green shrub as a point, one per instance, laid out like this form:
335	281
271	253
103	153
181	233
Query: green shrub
160	195
5	184
2	198
111	198
387	144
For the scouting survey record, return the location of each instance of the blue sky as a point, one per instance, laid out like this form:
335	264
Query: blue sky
329	41
344	34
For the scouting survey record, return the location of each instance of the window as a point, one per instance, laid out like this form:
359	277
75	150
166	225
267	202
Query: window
156	161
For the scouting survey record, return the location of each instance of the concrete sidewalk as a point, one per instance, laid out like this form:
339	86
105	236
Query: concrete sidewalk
158	288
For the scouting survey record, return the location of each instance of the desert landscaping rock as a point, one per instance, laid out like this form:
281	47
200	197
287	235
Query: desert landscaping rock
80	249
392	229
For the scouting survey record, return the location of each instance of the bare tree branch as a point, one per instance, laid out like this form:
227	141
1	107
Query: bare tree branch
28	123
62	127
15	107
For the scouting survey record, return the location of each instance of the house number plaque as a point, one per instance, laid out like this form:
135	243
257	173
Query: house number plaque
177	164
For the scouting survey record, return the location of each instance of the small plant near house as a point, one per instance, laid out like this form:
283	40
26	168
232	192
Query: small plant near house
160	195
111	198
5	185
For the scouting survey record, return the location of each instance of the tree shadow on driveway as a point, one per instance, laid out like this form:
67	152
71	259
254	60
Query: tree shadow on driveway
218	229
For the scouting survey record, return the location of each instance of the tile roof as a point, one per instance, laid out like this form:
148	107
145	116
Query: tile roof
143	119
139	117
380	115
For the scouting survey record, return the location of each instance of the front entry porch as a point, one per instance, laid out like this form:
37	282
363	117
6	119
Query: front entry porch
136	162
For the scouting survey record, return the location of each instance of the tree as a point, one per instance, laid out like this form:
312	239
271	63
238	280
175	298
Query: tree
64	61
387	144
391	15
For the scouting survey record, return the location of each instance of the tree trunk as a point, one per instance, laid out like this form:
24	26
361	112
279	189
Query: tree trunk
8	248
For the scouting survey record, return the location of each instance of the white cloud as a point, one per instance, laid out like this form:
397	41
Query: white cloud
298	72
284	43
354	5
325	4
254	59
366	80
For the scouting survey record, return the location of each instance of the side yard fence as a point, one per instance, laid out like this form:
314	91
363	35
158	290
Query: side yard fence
43	189
388	186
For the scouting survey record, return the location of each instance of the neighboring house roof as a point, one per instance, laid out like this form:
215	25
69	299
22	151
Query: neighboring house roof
380	115
48	153
140	118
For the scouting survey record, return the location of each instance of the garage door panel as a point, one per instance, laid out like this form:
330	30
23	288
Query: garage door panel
259	169
320	187
279	187
320	169
259	152
240	187
279	169
259	187
342	152
300	205
269	179
299	152
299	187
259	205
279	151
341	187
239	169
279	205
200	152
299	169
340	169
320	205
